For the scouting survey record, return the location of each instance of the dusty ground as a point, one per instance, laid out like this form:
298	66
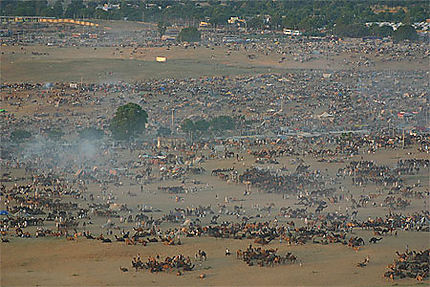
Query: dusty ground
87	263
108	64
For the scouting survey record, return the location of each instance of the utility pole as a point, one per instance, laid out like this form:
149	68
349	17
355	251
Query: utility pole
173	120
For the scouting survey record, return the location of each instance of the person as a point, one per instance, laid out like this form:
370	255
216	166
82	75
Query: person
227	252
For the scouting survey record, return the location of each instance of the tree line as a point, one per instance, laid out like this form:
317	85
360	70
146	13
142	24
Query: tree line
309	16
212	127
129	123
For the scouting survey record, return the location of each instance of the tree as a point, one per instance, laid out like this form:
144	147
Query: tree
19	135
58	9
91	133
351	30
55	134
197	128
189	34
383	31
255	22
405	32
161	29
75	9
188	126
222	123
128	121
202	125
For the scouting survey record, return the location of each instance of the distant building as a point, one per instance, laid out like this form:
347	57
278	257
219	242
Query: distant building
203	24
386	9
292	32
107	7
236	20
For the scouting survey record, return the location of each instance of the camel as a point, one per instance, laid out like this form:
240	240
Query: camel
239	254
18	232
123	269
374	240
129	241
261	241
119	239
89	236
201	255
364	263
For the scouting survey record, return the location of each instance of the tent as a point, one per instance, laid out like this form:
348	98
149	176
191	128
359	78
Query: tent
325	115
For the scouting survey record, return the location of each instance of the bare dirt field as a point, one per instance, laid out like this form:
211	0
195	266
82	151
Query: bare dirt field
112	64
56	262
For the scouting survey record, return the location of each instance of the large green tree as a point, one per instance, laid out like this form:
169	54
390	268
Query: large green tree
128	121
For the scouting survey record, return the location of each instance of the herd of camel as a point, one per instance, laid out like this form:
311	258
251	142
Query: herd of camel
410	264
264	257
155	264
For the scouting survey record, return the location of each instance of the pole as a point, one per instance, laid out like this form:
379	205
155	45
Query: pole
173	120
